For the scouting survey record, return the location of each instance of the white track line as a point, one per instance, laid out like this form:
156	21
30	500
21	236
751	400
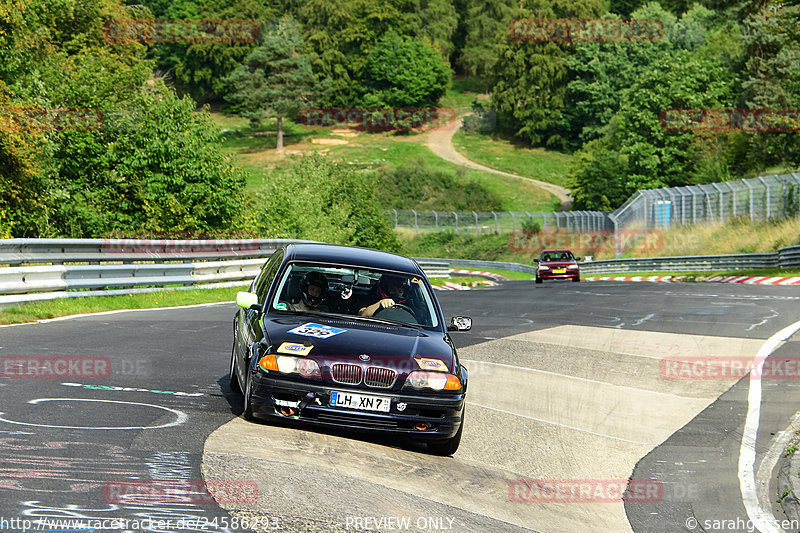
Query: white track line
762	519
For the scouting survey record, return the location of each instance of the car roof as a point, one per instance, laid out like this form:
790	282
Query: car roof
549	250
351	255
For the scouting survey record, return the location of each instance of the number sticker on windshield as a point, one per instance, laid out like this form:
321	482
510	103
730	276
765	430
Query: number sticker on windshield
319	331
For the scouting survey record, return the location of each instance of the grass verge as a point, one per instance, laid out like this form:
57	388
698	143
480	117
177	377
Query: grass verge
33	311
500	153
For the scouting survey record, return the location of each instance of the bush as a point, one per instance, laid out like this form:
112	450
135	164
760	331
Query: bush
154	166
323	201
416	186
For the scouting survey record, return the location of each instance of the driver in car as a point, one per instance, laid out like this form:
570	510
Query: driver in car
390	290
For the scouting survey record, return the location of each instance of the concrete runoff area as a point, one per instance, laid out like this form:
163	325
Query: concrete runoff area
566	403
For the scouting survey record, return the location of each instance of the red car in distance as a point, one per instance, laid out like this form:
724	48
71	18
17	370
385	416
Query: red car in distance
557	264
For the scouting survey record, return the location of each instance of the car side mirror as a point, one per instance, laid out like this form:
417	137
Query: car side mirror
460	323
535	260
577	259
248	300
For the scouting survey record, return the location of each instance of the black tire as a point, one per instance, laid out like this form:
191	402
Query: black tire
247	412
576	279
538	279
449	446
234	379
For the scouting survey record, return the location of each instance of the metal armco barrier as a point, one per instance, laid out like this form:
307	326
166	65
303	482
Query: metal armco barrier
119	266
59	251
179	263
787	258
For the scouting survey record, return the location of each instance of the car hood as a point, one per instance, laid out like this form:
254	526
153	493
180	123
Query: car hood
387	345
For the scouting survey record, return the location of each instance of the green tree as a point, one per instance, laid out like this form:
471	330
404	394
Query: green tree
404	72
484	24
434	21
339	35
635	152
531	77
156	165
601	73
771	73
275	79
321	200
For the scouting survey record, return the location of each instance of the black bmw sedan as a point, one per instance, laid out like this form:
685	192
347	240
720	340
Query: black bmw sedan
352	338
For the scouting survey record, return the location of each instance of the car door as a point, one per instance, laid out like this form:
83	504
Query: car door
247	320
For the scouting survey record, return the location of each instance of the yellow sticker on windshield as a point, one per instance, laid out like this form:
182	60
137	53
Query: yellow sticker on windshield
430	364
295	348
415	280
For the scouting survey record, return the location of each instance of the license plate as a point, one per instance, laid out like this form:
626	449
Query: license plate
363	402
560	271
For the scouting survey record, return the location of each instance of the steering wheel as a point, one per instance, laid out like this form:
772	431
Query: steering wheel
399	306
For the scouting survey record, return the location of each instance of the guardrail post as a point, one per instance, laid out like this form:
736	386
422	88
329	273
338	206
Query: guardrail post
496	229
455	215
436	219
416	226
395	218
768	197
513	222
731	187
477	229
751	199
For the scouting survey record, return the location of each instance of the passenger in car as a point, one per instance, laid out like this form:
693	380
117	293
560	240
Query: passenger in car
313	290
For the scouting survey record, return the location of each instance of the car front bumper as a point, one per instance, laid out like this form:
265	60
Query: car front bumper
569	274
423	417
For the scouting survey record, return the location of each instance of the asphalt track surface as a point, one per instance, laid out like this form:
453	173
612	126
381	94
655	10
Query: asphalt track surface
567	389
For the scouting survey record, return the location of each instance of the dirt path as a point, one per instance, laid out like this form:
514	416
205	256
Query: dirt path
440	142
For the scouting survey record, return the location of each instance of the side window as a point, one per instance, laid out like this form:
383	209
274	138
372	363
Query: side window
264	280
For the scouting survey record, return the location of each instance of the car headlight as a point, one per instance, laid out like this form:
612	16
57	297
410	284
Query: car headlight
420	379
544	268
573	267
308	368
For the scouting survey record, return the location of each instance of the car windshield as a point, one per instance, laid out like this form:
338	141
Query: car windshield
355	291
557	256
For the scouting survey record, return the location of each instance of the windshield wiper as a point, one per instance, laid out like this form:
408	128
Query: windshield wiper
387	321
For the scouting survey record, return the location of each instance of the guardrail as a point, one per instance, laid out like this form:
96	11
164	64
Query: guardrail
786	258
143	266
60	251
125	266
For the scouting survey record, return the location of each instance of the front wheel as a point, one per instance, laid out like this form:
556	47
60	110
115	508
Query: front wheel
234	379
247	412
538	279
449	446
576	279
